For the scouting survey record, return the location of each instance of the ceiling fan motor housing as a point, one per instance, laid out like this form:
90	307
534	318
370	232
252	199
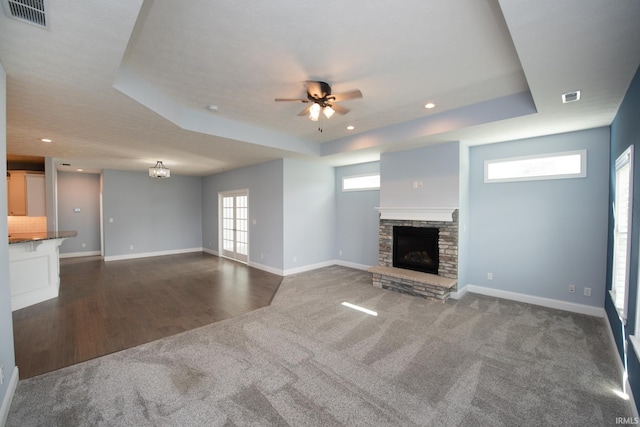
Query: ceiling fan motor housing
320	98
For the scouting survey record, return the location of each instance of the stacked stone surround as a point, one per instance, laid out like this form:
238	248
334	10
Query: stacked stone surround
422	285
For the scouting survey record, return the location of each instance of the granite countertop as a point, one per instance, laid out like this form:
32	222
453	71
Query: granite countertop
46	235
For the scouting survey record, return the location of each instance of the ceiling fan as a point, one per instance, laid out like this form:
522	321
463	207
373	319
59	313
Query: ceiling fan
321	99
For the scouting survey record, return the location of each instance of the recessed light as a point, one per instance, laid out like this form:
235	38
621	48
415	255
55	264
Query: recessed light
350	127
429	105
79	170
46	140
212	108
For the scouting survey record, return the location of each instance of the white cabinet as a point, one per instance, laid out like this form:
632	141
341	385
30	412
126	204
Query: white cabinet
26	193
17	192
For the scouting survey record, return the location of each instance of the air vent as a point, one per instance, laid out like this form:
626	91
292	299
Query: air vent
571	97
31	11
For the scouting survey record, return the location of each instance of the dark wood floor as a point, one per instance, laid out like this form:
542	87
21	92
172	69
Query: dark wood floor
108	307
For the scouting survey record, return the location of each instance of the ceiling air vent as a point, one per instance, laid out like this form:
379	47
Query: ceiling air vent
31	11
571	97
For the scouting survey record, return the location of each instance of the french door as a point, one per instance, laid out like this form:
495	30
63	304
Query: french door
234	225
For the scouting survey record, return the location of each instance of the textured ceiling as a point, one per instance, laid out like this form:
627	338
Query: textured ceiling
121	84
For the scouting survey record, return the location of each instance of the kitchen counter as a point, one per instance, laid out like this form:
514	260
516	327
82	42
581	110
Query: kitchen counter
34	266
47	235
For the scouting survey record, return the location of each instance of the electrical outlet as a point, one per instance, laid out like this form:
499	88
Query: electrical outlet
489	276
131	247
1	374
572	289
84	245
339	252
587	292
295	259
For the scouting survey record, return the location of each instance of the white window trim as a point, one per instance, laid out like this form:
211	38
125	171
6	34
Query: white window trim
624	158
360	176
581	174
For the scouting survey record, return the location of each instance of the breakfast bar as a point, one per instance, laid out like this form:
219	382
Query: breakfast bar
34	266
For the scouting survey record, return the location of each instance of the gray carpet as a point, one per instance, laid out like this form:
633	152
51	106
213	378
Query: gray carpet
309	361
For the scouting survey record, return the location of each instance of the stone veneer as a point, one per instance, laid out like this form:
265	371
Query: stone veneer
448	254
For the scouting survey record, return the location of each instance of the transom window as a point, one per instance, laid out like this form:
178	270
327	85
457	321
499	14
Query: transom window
361	182
570	164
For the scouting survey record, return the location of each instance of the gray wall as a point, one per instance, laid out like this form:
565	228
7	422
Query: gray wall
539	237
6	323
153	215
79	190
357	220
309	214
437	166
264	182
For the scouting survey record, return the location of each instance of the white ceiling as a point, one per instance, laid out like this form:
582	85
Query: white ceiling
120	84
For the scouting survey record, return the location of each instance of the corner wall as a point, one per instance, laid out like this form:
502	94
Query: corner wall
357	220
265	184
7	358
155	216
625	130
539	237
308	215
79	191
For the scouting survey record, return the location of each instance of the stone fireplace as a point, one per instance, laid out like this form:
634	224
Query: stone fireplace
427	285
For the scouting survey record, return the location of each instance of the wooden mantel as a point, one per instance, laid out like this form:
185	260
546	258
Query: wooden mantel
417	214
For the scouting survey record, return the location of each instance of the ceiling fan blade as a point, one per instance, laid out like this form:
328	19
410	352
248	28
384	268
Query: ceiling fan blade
305	111
352	94
315	89
339	109
291	99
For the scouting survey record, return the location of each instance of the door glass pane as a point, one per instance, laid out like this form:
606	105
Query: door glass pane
235	226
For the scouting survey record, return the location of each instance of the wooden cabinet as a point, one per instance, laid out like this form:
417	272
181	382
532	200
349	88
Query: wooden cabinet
26	192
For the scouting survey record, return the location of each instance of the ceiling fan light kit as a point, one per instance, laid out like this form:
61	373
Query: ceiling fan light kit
314	112
321	99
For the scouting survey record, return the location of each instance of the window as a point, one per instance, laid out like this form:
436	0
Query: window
571	164
622	204
361	182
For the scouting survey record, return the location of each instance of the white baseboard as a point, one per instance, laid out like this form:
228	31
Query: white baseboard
306	268
272	270
309	267
459	293
151	254
8	398
210	251
352	265
80	254
620	365
530	299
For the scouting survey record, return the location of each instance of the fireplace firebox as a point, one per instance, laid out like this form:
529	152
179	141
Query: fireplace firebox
416	248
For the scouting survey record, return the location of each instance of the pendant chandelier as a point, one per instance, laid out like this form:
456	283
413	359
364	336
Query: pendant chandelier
159	171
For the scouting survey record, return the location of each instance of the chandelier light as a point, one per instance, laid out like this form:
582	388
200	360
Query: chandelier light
314	112
328	111
159	171
316	108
